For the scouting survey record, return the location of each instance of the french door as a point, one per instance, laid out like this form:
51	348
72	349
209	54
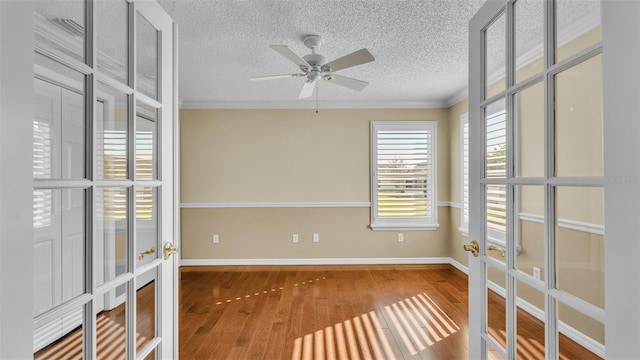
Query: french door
537	178
100	112
547	140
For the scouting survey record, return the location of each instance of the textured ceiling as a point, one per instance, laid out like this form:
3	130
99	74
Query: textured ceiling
420	49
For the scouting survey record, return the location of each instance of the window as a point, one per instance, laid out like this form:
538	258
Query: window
403	181
496	155
496	167
464	173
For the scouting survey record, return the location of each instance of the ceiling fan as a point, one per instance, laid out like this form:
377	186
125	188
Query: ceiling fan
314	67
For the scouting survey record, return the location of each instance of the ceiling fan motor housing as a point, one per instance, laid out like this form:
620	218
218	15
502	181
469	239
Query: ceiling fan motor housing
315	60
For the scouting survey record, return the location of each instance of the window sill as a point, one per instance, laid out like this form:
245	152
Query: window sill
464	231
377	227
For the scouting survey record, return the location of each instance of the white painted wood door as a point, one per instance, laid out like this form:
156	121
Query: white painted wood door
58	239
70	196
539	179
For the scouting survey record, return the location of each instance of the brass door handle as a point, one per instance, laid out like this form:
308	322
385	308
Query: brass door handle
473	247
495	248
169	249
146	252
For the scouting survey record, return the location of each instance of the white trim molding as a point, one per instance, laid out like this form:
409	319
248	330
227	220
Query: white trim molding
404	226
458	96
449	204
328	204
275	205
317	261
567	224
325	105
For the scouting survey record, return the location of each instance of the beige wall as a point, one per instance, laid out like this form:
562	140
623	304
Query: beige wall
265	233
288	155
285	156
457	238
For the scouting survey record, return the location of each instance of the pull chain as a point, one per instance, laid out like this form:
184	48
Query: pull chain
317	89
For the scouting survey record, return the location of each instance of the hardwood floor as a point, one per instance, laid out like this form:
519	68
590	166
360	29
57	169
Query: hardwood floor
110	327
317	312
338	312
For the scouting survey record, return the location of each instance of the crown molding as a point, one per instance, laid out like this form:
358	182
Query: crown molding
322	105
457	96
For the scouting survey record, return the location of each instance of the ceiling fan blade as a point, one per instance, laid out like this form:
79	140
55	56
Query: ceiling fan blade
307	89
359	57
289	54
347	82
273	77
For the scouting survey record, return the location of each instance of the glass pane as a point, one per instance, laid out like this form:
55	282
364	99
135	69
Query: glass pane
496	308
529	122
495	40
579	232
146	309
578	120
529	38
151	356
146	143
111	232
58	124
58	247
111	129
60	338
59	27
111	329
578	26
530	342
496	140
147	224
147	57
492	353
496	222
530	230
112	44
585	325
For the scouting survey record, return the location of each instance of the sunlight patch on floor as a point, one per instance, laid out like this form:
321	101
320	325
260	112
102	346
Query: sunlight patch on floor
418	322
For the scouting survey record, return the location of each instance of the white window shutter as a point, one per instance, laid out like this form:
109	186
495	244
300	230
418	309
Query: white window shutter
403	181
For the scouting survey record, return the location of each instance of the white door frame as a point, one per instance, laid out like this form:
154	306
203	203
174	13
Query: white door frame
621	111
477	270
16	179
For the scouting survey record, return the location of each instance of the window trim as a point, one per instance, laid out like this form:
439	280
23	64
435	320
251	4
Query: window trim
430	223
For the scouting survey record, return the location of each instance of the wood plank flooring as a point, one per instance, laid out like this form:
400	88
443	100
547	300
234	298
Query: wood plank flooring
338	312
317	312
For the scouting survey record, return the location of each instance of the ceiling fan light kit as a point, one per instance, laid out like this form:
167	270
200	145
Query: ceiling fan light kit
314	67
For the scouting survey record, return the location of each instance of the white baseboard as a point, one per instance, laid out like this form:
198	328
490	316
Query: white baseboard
316	261
458	265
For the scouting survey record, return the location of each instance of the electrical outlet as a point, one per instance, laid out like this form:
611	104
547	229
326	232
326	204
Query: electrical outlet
400	237
536	273
295	238
316	238
216	238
